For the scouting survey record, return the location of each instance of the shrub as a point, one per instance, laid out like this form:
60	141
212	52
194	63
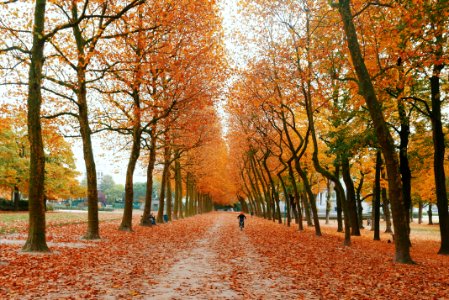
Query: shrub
9	205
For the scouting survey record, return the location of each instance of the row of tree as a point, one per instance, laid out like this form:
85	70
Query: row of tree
145	75
347	92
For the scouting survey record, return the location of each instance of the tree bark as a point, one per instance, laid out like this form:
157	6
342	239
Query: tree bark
126	224
430	213
328	200
420	207
402	240
177	210
438	159
297	199
386	207
267	198
350	196
169	196
275	197
16	197
160	212
376	197
145	221
404	167
36	241
91	170
86	133
256	189
340	197
287	199
188	196
359	200
243	204
311	198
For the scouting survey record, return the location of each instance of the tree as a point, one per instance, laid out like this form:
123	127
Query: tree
424	26
36	234
14	165
402	241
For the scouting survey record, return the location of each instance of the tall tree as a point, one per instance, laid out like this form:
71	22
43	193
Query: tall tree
402	240
36	240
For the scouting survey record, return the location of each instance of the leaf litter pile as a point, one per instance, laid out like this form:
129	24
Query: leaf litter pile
208	257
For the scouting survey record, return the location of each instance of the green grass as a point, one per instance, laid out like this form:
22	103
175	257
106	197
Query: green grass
13	217
50	216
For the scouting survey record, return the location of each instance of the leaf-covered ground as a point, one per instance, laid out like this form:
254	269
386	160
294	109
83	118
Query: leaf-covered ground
208	257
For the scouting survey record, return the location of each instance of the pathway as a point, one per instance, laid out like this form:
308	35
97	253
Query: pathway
223	265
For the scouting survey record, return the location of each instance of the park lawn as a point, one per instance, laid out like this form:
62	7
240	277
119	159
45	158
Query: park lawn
418	232
17	222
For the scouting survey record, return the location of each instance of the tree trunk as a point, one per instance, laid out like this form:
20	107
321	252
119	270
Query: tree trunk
36	241
169	196
177	210
180	193
160	212
429	213
287	199
91	170
306	207
297	199
404	167
359	200
267	198
86	133
294	208
243	204
350	197
438	160
193	203
420	207
252	198
376	197
386	207
127	219
187	205
275	197
328	200
402	240
311	198
256	189
16	197
145	221
340	197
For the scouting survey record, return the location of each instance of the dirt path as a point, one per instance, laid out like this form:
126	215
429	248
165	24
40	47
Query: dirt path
223	265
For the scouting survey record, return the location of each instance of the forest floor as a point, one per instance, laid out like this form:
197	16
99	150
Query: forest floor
208	257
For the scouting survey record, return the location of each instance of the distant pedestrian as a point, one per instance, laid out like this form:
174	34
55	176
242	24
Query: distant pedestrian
241	218
152	219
